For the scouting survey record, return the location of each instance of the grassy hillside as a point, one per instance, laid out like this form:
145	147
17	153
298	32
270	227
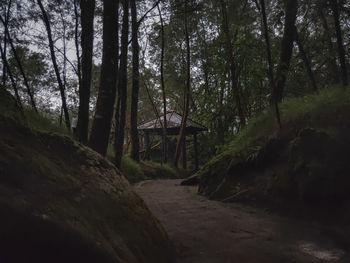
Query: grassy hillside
307	160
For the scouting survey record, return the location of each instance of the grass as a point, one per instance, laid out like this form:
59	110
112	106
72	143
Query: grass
28	117
162	170
316	110
132	170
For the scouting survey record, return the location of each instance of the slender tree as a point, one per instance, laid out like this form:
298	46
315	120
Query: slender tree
122	86
331	58
341	50
13	82
87	8
20	66
106	96
164	137
135	85
305	60
182	136
286	49
54	62
231	62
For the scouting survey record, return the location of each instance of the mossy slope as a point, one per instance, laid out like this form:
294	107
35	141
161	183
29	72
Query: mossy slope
62	202
308	160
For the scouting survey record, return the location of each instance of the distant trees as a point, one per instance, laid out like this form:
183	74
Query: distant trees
61	87
220	62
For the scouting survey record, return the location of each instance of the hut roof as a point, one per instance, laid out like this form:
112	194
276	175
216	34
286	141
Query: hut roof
173	124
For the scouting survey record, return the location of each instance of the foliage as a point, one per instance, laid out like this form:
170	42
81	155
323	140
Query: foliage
132	170
160	170
312	110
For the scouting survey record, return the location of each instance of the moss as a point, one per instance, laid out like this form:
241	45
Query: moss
132	170
156	170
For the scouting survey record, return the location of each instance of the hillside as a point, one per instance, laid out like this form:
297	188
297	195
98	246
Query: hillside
62	202
304	163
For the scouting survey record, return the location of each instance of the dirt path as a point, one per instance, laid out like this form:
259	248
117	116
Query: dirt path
209	231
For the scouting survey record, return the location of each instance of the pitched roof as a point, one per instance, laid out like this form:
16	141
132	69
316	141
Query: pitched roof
173	122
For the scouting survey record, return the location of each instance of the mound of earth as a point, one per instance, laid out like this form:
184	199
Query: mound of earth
300	164
62	202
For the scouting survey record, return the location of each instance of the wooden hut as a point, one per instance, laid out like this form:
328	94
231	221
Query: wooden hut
155	127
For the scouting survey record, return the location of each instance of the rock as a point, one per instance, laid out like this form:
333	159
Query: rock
62	202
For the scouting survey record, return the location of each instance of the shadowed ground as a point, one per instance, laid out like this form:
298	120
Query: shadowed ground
211	231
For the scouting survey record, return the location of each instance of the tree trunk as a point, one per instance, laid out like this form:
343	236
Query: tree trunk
268	47
135	148
87	8
306	61
164	137
54	62
286	50
122	86
341	50
331	59
7	19
101	126
231	62
13	82
30	94
269	60
181	136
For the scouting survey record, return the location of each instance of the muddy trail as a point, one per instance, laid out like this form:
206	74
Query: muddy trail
209	231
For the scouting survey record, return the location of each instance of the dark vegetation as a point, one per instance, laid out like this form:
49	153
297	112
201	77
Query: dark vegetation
305	163
268	78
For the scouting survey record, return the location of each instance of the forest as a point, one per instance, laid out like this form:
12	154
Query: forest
260	93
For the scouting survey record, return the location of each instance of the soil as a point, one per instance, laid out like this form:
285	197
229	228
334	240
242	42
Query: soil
203	230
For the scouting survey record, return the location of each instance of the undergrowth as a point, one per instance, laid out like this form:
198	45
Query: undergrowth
132	170
163	170
315	110
28	117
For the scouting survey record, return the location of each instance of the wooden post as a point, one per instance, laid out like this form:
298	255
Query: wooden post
184	160
147	146
195	145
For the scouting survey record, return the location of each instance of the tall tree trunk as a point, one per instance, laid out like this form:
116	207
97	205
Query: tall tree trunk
164	137
76	42
274	104
305	60
54	62
231	62
182	136
30	93
135	148
341	50
286	50
268	46
7	19
101	126
87	8
122	86
331	59
13	82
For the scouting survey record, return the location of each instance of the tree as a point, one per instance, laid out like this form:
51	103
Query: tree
135	85
122	88
181	139
286	49
54	62
87	8
231	62
101	126
162	83
341	50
